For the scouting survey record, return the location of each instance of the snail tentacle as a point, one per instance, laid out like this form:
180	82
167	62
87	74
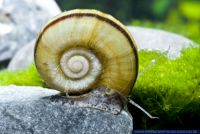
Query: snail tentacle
142	109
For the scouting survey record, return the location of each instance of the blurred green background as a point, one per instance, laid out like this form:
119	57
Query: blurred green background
179	16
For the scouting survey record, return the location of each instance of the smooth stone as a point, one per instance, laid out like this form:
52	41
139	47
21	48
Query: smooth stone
25	110
20	22
159	40
145	38
23	58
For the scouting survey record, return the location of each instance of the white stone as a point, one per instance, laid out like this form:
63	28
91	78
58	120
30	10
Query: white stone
23	57
159	40
12	93
21	21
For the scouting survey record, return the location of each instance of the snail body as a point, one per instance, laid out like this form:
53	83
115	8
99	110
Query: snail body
81	50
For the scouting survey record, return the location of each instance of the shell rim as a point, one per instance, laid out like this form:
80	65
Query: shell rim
103	17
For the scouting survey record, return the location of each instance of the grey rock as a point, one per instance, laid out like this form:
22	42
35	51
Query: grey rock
145	38
159	40
20	21
23	57
27	110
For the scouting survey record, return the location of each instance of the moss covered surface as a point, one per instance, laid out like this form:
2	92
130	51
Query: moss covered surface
170	89
26	77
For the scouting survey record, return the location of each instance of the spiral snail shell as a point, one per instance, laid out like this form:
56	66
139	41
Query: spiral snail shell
80	50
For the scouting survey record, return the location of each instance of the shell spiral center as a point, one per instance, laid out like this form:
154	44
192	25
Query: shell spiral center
77	67
79	63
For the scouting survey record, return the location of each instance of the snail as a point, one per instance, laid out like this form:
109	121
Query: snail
85	54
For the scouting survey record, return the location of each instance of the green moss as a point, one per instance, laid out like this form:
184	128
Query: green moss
28	77
168	89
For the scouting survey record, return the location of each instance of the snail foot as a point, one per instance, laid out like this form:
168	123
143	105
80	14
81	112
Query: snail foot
97	99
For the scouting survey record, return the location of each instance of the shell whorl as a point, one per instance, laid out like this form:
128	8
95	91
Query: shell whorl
78	63
82	49
81	67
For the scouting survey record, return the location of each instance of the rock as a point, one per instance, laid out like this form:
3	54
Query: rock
20	21
149	39
25	110
154	39
23	57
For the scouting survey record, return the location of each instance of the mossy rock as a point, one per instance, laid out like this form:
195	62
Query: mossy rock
170	89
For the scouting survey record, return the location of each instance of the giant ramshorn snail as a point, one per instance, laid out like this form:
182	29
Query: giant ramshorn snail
81	50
